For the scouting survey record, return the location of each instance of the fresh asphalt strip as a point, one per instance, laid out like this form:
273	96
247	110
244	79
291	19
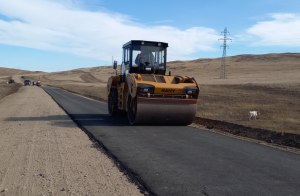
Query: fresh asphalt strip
182	160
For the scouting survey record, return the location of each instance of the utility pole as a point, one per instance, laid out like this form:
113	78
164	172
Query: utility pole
225	39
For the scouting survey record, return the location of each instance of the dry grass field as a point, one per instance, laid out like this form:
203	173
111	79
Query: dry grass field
268	83
9	72
278	106
89	82
6	89
244	69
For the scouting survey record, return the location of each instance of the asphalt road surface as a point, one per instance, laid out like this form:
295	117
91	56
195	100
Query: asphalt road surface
177	160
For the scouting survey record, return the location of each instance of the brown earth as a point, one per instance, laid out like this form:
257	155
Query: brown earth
7	89
9	71
262	136
268	83
244	69
44	153
278	105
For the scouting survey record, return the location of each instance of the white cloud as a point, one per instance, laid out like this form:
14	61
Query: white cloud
282	29
65	27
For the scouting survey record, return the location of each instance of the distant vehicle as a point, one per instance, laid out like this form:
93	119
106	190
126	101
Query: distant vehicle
34	83
38	83
11	81
27	82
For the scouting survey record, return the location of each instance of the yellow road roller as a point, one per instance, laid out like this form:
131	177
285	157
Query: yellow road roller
143	91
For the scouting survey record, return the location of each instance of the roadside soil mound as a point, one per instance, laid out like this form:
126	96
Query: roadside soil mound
7	89
285	139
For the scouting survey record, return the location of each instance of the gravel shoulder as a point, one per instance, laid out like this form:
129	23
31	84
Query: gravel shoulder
44	153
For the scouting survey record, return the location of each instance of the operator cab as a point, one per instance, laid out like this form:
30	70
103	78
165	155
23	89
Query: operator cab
145	57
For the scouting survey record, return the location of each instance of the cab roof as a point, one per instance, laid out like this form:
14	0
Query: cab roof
145	43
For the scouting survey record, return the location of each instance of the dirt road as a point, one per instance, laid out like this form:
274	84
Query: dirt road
42	152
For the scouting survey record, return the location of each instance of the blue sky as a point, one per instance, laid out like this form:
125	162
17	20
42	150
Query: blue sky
53	35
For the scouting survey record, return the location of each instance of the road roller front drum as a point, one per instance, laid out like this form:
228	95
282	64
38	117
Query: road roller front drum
113	102
131	109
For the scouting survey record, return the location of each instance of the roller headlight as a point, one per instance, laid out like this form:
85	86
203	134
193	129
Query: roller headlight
145	89
192	91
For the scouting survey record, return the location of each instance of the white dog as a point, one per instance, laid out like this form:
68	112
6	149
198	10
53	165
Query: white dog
253	114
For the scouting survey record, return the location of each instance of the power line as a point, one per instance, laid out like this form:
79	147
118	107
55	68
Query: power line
225	39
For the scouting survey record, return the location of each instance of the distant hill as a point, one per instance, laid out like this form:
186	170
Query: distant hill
269	83
9	71
241	69
265	68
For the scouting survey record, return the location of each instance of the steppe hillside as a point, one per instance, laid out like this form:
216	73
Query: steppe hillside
5	75
268	83
4	72
243	69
